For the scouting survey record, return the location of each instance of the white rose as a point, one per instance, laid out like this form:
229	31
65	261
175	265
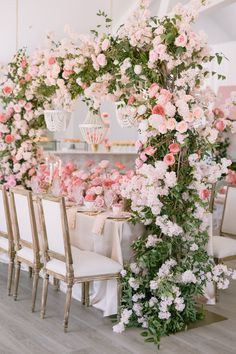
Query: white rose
137	69
142	109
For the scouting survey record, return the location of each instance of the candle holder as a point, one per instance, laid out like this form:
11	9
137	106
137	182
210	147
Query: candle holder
93	130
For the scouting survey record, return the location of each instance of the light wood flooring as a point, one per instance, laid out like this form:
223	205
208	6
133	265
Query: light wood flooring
22	332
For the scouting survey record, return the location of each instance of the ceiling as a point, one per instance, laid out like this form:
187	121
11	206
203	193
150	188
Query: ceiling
36	18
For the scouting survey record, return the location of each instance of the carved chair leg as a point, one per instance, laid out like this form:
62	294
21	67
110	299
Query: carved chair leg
10	275
17	277
56	283
44	295
30	272
83	293
119	294
86	295
67	306
35	287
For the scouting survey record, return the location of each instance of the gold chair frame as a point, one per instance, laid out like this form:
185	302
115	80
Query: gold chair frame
9	237
19	243
69	279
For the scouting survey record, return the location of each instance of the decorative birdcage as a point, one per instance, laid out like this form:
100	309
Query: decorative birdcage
57	120
93	130
125	115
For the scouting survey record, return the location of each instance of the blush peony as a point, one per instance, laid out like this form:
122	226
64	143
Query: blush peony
204	194
169	159
220	125
158	109
9	138
174	148
181	40
153	90
101	59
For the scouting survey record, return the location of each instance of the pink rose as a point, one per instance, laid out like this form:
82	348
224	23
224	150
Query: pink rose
17	108
171	123
220	125
31	172
150	151
158	109
131	100
101	59
120	165
198	112
7	90
204	194
23	63
138	145
21	103
105	44
153	90
51	60
129	174
169	159
166	94
181	40
27	77
160	49
28	106
88	163
67	73
90	197
99	202
143	157
182	127
104	164
174	148
138	163
9	138
153	56
11	182
97	181
3	118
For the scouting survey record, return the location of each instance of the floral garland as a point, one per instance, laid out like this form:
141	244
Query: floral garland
154	69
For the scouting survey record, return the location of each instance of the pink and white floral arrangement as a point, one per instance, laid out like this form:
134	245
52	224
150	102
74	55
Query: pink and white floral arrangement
91	183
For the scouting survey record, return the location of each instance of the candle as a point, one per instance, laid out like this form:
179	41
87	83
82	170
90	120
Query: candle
50	172
60	168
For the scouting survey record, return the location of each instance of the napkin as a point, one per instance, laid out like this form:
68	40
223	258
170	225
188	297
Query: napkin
71	217
99	223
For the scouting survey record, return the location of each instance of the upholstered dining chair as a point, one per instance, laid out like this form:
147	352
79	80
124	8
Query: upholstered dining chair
65	262
26	237
224	245
6	235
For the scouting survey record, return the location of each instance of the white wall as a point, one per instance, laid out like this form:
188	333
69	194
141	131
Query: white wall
37	17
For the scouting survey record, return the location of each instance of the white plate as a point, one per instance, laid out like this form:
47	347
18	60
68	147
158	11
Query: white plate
121	216
84	209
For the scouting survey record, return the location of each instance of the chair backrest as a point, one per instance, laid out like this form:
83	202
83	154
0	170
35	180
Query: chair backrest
24	219
228	223
54	225
5	220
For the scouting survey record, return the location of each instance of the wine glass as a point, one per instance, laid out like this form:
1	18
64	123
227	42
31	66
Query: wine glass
109	198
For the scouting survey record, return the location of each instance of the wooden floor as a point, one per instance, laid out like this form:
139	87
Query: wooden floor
22	332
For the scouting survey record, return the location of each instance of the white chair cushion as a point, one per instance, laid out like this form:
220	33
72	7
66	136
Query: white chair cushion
26	253
85	263
4	244
223	247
